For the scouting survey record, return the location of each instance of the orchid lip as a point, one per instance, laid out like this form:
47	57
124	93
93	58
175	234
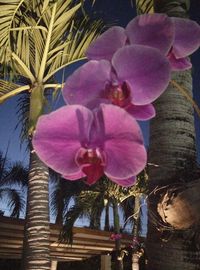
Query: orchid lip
119	94
91	162
89	156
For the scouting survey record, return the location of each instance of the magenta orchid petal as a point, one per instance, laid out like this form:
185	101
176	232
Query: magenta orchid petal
125	154
59	135
85	85
154	30
187	37
147	75
128	182
107	44
93	172
74	176
180	63
141	112
77	142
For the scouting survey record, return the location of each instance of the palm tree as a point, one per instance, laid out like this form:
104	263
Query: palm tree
144	6
63	193
37	39
173	187
90	202
12	175
132	205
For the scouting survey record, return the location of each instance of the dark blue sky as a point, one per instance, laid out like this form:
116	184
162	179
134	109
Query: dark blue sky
117	12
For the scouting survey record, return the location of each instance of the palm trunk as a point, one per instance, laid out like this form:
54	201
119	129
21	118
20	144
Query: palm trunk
119	261
95	223
95	219
136	251
36	246
107	225
60	204
172	149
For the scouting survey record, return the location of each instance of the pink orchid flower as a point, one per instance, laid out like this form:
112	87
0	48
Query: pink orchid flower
115	236
176	38
135	77
77	142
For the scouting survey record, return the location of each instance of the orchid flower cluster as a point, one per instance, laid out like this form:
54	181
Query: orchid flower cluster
135	243
115	236
97	132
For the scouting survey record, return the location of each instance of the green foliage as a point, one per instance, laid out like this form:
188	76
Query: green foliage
90	201
37	39
144	6
12	174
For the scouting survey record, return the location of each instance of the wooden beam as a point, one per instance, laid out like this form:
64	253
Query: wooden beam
54	265
105	262
86	242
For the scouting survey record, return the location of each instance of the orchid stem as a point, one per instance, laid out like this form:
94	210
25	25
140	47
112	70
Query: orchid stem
184	92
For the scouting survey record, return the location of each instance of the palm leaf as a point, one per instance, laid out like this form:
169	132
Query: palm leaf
62	21
16	202
17	174
8	11
82	208
72	215
9	89
23	105
144	6
63	192
3	165
39	39
73	48
97	207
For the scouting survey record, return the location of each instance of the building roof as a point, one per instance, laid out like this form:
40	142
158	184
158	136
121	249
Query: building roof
86	242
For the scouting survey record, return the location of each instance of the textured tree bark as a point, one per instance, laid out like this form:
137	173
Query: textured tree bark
135	261
95	221
119	261
136	253
173	179
60	204
107	223
36	246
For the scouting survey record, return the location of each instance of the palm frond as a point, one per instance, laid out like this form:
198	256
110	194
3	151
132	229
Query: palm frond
77	39
127	207
9	17
17	174
16	202
4	164
23	104
9	89
12	174
63	18
39	39
82	208
64	192
57	205
15	36
70	218
144	6
97	207
86	32
60	199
